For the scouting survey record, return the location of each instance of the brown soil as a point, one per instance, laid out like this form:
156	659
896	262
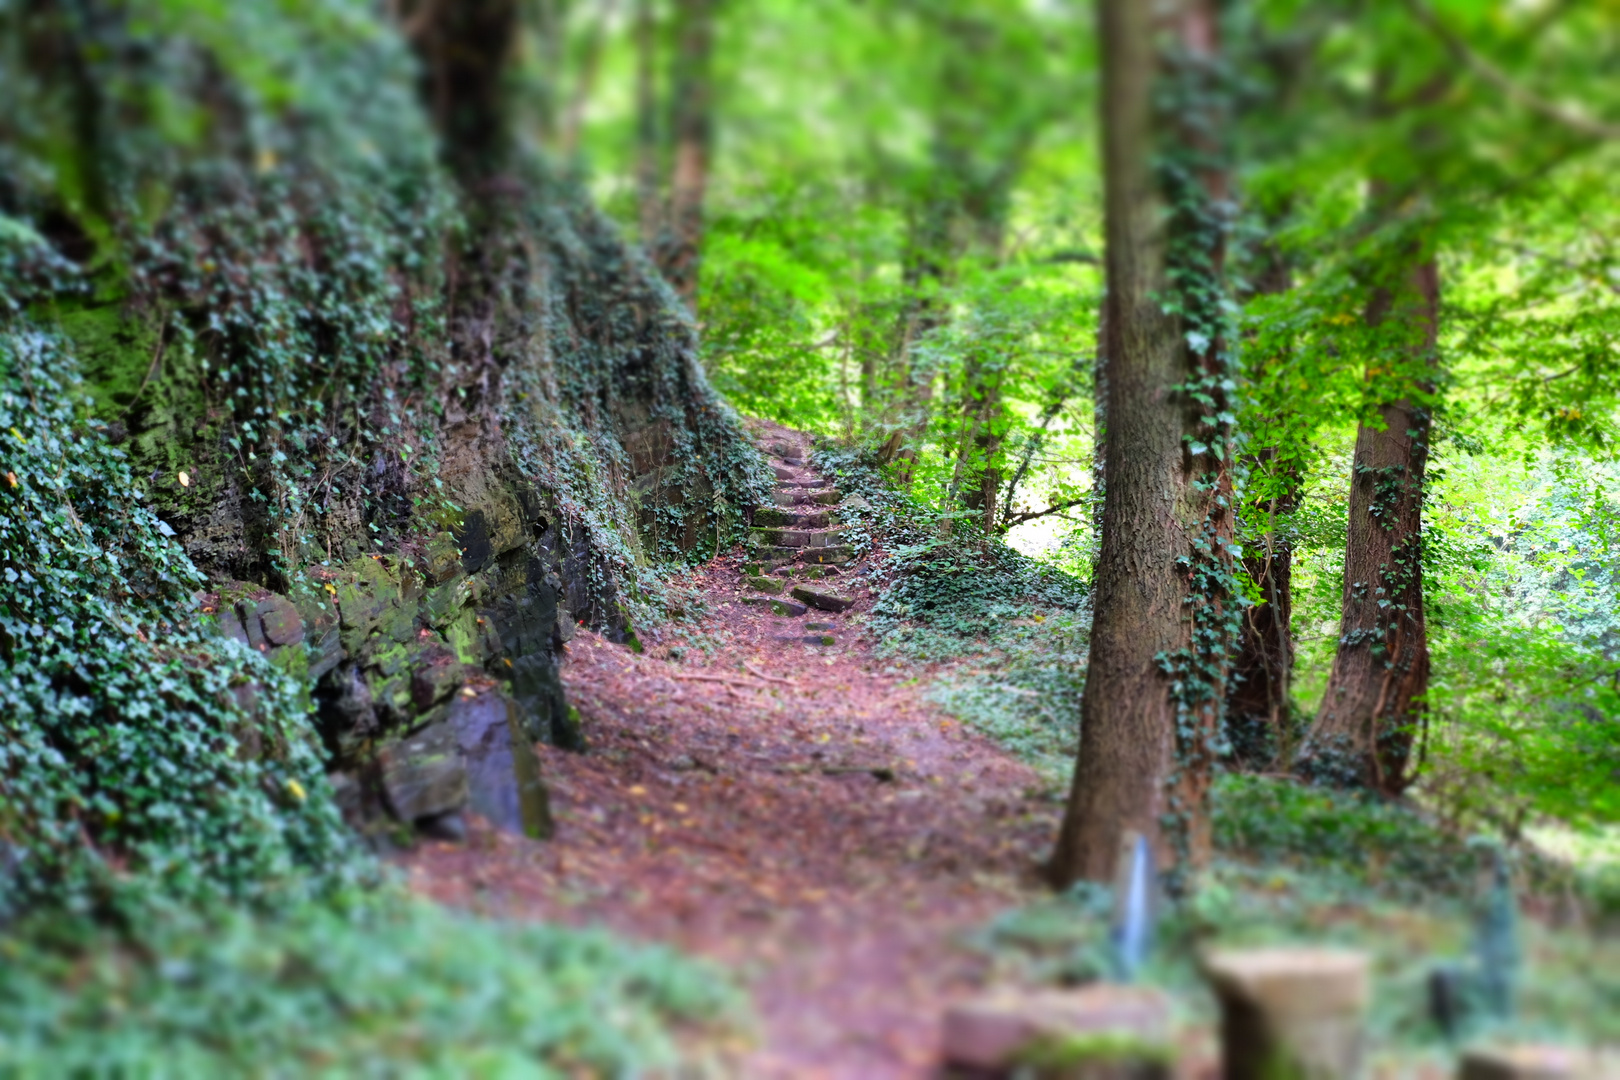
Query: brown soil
781	806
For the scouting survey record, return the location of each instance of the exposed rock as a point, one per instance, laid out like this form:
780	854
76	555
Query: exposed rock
765	584
503	773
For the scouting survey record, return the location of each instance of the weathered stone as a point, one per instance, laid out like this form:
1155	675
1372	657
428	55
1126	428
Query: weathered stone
765	584
776	607
565	625
820	639
423	774
781	448
774	516
820	598
328	654
281	622
442	559
831	497
1290	1011
1537	1062
829	538
783	472
855	502
1093	1031
820	626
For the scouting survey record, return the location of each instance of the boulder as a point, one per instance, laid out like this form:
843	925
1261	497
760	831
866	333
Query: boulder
280	620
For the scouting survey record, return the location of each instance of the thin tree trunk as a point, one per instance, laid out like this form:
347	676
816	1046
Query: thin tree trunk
1364	731
694	136
1258	696
1149	719
649	190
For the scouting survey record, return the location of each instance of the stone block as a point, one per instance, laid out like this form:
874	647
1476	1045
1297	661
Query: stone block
423	774
830	497
783	472
765	584
824	539
1093	1031
820	598
774	517
231	627
1296	1012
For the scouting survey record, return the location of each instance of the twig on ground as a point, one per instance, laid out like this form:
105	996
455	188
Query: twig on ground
768	678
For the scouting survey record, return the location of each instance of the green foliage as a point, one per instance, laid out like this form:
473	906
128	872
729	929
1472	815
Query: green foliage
1366	839
393	988
139	751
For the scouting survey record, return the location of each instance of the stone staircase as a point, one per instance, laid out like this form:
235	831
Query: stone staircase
797	548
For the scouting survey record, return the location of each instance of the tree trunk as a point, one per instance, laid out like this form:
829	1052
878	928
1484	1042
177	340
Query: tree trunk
1258	696
693	128
1150	711
1364	730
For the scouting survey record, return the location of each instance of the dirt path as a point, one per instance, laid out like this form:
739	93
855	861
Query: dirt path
779	804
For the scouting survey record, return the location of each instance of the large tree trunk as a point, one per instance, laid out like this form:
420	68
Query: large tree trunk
693	129
1150	711
1364	730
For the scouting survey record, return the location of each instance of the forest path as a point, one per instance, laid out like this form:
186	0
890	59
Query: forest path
763	794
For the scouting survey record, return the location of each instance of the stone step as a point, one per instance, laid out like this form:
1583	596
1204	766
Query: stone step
802	482
774	516
774	606
796	538
784	473
835	556
822	599
766	584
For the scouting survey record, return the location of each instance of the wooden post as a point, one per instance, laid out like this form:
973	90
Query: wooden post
1290	1013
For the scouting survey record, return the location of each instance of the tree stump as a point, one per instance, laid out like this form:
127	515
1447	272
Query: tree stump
1290	1013
1098	1032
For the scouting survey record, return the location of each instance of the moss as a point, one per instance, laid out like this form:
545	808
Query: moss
1065	1051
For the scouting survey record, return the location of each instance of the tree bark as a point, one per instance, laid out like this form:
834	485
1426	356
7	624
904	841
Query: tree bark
1364	730
693	127
1146	735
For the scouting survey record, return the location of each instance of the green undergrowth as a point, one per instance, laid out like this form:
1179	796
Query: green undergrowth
393	988
1002	635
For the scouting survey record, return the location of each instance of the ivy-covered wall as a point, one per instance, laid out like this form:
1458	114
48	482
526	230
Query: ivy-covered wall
357	440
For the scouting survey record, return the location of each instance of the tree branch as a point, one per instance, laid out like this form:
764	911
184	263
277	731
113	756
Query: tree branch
1577	122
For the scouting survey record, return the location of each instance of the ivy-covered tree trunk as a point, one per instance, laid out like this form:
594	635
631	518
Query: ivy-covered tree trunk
1150	711
1364	730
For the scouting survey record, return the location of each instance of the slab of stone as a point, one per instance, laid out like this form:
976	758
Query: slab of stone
423	774
775	607
1536	1062
765	584
820	626
1290	1011
783	472
1064	1033
830	497
830	538
821	598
